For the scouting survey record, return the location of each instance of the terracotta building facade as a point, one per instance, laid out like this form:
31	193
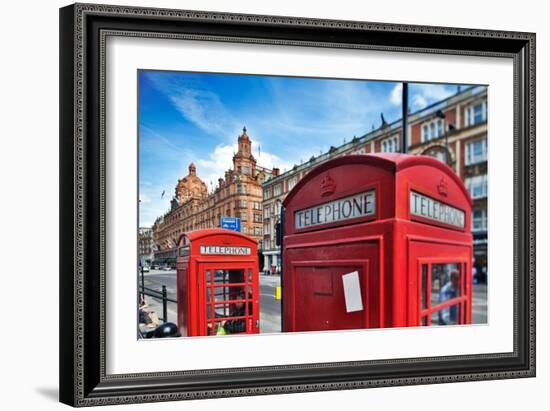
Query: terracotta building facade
453	130
237	194
145	245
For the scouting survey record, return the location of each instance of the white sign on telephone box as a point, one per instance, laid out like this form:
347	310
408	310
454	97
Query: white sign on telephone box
352	292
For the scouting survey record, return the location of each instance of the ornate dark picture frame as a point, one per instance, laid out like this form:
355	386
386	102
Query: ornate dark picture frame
83	30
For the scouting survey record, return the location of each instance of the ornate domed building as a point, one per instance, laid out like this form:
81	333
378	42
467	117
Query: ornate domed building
237	194
190	186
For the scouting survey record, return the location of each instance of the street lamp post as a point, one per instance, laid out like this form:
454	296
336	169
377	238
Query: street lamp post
440	114
405	116
278	228
142	280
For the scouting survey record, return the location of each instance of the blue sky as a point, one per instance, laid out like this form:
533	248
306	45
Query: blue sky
196	117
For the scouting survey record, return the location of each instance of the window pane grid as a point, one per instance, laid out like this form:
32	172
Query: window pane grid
222	295
443	296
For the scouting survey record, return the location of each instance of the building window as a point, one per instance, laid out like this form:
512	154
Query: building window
241	204
267	243
267	229
477	186
241	189
243	215
247	170
292	182
257	205
277	189
257	231
389	145
267	193
267	212
476	113
432	130
479	220
476	152
257	218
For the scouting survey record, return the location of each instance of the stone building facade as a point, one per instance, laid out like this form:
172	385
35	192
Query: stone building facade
237	194
145	245
462	118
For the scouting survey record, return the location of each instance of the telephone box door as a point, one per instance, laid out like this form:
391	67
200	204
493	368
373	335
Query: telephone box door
331	293
440	289
230	296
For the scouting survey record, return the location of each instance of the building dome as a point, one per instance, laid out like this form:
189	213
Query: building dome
190	186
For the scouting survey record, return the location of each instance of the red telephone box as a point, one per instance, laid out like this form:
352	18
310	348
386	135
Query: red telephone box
217	283
379	240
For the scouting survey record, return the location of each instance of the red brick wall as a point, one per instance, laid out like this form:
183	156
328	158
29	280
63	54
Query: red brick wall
450	116
415	134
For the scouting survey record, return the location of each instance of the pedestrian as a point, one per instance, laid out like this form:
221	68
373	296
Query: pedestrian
143	310
237	309
449	291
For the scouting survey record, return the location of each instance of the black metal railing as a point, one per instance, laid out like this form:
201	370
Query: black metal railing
160	295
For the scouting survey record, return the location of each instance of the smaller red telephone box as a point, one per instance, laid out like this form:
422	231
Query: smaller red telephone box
217	283
375	241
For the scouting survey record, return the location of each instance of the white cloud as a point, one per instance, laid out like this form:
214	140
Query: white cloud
419	101
420	95
213	167
396	95
160	146
152	205
144	198
196	103
204	109
425	94
268	160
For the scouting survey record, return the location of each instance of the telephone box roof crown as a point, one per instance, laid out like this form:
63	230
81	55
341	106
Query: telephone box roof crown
395	162
197	234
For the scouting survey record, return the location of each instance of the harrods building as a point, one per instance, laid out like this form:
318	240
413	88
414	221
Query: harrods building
237	194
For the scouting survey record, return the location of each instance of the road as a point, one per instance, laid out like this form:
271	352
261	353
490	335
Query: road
479	304
270	308
155	279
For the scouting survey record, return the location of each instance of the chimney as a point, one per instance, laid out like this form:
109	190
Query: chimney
275	172
220	182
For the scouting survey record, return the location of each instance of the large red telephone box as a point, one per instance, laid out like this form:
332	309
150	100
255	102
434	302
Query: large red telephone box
217	283
380	240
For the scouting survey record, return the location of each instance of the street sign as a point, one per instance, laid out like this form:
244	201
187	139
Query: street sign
231	223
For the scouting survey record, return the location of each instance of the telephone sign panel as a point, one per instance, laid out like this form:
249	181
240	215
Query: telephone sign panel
357	205
377	240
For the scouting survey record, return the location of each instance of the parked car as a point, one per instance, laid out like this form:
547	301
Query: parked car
146	269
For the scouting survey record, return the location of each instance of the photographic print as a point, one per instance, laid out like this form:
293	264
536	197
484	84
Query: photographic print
263	204
272	204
